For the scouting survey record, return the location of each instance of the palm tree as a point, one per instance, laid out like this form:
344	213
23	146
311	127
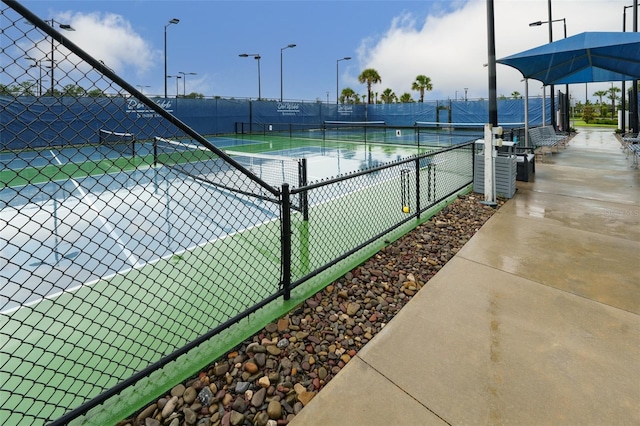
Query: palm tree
388	97
370	77
516	95
406	98
25	88
613	95
422	84
600	94
347	96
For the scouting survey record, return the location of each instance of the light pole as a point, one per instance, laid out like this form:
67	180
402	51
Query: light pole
141	87
550	21
257	57
65	27
289	46
184	81
346	58
177	77
38	63
633	116
172	21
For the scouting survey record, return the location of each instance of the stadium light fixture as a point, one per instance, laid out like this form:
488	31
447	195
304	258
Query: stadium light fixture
346	58
184	81
257	57
289	46
66	27
172	21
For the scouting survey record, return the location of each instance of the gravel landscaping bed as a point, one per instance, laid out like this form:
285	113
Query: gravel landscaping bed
271	376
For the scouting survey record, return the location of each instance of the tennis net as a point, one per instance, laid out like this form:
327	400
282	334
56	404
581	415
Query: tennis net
200	163
124	143
353	130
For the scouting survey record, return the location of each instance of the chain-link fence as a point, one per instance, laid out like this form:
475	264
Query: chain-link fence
129	240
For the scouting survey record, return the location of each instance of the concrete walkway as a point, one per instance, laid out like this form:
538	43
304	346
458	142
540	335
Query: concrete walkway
536	321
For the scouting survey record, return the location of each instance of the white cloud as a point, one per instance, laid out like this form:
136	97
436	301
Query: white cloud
451	47
110	38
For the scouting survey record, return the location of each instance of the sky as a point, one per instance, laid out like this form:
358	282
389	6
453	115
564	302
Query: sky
444	40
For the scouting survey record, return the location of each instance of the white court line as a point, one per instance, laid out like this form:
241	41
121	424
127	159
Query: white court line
110	230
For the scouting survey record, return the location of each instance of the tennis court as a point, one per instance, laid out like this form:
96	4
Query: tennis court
79	214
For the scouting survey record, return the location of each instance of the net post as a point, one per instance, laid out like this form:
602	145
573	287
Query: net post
302	177
285	241
155	152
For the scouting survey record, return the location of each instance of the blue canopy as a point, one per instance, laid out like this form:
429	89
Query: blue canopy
583	58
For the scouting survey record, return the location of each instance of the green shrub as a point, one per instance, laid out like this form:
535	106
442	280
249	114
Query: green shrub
608	121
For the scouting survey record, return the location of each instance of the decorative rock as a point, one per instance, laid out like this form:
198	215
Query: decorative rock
226	419
221	369
271	327
170	407
258	397
274	410
227	399
147	412
353	308
273	350
178	390
206	395
260	359
239	405
151	422
299	388
261	419
264	382
251	368
285	364
190	395
305	397
189	416
283	324
242	387
322	373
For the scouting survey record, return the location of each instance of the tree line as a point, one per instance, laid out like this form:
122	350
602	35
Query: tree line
370	76
31	88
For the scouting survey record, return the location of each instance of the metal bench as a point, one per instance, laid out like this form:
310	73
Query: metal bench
542	142
633	149
549	133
